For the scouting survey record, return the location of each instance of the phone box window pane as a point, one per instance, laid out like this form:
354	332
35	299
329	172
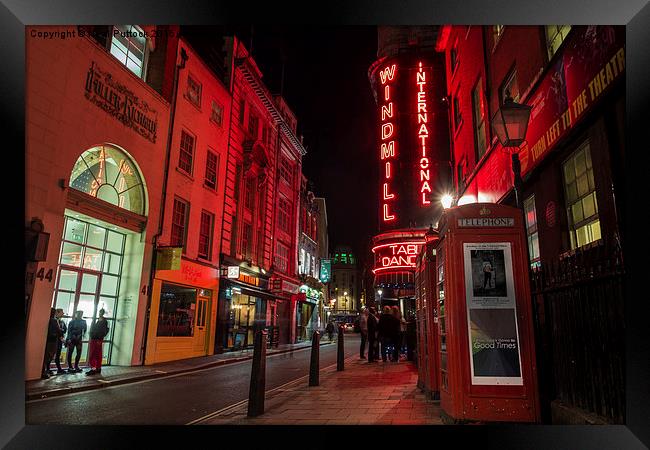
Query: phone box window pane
74	231
569	171
96	236
595	230
89	283
109	285
583	185
581	163
576	211
93	259
115	241
136	69
588	205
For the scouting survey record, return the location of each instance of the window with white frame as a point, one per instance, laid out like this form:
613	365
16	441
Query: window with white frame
555	35
129	46
580	197
478	108
186	153
180	216
509	86
205	235
281	257
301	263
211	168
284	215
531	231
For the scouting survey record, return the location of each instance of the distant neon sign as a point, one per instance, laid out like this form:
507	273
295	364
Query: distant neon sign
387	146
423	135
396	255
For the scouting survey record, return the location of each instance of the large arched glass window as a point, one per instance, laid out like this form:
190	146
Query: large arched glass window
109	174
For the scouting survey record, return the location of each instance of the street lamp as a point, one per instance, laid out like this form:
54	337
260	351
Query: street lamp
345	294
379	291
447	201
510	123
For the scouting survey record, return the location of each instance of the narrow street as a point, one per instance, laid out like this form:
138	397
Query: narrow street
177	400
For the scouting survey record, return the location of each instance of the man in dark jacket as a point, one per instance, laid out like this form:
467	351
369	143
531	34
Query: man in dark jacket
76	332
388	328
373	351
98	331
59	342
53	336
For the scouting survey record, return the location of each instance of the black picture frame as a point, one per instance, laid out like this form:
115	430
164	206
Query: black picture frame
635	14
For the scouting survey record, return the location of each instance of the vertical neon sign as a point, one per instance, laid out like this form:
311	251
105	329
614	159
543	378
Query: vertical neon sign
387	146
423	135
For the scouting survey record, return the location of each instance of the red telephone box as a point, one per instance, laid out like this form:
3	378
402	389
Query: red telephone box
487	348
427	317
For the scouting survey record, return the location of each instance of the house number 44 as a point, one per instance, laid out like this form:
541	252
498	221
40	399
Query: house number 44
42	275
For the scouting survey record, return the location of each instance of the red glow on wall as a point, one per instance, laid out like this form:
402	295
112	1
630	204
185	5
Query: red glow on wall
387	149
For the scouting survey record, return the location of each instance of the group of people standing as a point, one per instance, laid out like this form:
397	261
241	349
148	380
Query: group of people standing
71	335
385	331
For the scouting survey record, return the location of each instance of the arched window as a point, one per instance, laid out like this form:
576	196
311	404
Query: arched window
109	174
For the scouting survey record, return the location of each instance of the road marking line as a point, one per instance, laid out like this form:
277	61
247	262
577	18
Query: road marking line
278	388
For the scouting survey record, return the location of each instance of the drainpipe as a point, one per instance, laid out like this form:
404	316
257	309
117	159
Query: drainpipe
161	217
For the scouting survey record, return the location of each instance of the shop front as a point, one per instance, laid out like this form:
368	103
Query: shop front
183	310
307	312
247	307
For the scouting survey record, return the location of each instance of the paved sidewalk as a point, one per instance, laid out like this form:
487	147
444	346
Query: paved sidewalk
114	375
362	394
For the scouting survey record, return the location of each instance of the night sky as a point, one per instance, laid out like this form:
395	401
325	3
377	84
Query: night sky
326	85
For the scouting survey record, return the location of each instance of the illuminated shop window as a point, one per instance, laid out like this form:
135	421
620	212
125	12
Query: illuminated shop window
176	312
216	113
193	93
205	235
281	257
301	263
531	231
509	86
128	45
580	195
109	174
211	168
555	35
478	108
186	153
180	217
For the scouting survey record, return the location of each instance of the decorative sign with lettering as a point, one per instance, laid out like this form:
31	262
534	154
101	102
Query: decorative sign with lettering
120	102
233	272
399	255
486	222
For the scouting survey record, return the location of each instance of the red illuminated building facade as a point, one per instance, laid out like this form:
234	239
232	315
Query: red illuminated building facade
571	164
158	166
260	221
408	83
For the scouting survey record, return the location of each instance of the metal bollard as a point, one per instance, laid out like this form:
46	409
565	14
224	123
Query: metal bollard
258	376
340	350
315	360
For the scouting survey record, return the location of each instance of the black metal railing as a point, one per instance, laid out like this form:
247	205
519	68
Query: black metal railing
579	301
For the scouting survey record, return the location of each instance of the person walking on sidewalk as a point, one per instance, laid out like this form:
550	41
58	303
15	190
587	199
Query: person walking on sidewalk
76	332
53	336
401	332
98	331
363	329
373	348
59	343
329	329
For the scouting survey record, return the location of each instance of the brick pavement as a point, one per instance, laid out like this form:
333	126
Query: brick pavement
363	394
